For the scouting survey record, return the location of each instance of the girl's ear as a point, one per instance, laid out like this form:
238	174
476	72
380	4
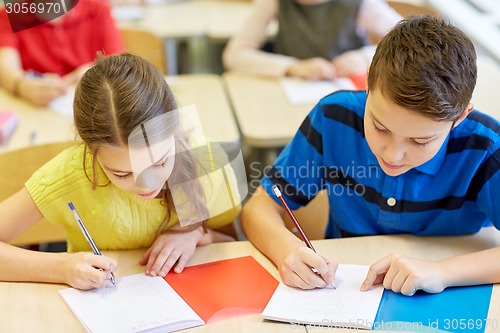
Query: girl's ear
464	114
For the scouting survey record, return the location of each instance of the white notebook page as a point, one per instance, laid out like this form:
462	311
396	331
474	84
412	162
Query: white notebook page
345	306
138	303
300	91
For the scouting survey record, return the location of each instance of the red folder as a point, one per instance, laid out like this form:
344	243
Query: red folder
225	288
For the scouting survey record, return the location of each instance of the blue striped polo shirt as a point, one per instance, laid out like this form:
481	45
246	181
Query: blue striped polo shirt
451	194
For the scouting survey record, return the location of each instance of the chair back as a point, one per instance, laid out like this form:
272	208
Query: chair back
147	45
15	168
313	218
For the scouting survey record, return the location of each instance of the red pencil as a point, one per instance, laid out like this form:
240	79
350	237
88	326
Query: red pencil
306	240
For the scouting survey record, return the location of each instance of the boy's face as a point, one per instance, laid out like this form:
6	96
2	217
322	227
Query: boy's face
401	139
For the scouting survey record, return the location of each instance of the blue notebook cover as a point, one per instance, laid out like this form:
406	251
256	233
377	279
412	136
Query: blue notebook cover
459	309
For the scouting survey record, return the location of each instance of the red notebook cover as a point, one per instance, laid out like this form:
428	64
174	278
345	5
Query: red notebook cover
225	288
8	123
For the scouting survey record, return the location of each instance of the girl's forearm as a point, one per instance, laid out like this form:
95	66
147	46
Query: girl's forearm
25	265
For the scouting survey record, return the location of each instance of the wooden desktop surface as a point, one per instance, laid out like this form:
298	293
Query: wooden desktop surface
205	91
37	307
267	119
37	125
264	114
181	20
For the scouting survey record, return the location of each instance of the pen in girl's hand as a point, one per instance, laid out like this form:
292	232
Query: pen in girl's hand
306	240
89	239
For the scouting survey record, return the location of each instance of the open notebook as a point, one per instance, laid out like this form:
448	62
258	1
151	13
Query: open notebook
200	294
344	306
458	309
138	303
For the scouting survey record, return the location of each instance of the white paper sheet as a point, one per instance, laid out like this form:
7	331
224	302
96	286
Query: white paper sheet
345	306
300	91
136	304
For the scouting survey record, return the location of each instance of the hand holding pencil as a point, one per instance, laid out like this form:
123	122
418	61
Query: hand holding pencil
306	240
89	239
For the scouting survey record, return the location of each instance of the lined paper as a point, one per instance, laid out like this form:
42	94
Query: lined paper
345	306
138	303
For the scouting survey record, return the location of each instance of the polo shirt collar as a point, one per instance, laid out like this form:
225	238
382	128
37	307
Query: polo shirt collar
432	166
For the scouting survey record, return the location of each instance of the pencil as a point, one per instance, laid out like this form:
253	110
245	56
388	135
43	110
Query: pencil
89	238
306	240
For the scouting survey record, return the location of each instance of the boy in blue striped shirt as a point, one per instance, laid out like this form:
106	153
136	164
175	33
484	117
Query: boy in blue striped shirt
409	155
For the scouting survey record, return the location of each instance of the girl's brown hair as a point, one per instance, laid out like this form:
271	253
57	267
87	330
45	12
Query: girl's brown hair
118	95
426	65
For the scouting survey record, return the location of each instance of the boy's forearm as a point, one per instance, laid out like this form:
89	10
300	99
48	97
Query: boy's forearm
265	228
473	268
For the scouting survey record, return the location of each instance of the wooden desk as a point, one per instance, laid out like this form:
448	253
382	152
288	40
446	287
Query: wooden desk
174	20
217	19
267	119
37	307
178	22
36	125
264	114
206	91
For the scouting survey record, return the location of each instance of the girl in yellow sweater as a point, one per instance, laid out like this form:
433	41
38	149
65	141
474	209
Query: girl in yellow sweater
136	182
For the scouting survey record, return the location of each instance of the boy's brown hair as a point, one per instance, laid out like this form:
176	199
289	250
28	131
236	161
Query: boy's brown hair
426	65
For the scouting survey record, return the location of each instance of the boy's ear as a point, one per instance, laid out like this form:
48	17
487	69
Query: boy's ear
464	114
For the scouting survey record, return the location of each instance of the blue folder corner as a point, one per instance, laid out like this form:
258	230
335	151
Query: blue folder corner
458	309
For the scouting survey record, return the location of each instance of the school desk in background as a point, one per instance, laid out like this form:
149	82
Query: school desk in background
8	123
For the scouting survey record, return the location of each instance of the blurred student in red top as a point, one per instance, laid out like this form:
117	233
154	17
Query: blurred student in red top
38	64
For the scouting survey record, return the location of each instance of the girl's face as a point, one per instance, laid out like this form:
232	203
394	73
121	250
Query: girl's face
401	139
142	171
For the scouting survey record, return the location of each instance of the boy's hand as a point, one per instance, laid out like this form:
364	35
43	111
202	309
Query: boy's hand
84	270
42	90
172	248
405	275
295	270
313	69
72	78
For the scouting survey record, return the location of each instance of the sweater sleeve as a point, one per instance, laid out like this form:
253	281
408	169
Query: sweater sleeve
243	53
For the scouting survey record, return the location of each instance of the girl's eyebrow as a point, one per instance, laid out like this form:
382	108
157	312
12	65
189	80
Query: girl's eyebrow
414	138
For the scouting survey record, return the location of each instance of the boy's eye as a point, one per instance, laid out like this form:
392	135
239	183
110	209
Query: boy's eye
378	129
421	144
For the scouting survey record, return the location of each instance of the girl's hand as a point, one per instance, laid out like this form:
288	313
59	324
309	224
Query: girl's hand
295	270
172	248
86	271
406	275
313	69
